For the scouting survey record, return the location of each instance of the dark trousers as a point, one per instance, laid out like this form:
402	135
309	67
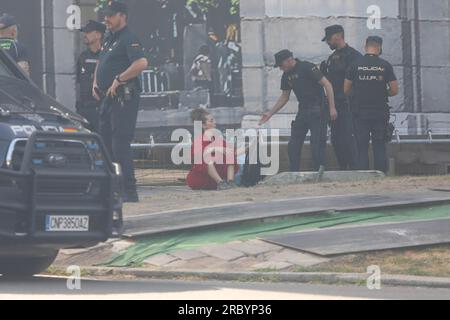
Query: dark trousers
117	128
308	119
367	129
343	138
90	111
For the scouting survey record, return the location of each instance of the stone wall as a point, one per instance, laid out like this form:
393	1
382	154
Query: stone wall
64	47
416	37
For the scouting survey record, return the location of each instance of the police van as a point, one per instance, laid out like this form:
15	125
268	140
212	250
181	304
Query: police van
58	186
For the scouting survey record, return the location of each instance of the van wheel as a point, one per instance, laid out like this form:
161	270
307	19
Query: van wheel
17	267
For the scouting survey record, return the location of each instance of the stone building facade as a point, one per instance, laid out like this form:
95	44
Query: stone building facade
416	33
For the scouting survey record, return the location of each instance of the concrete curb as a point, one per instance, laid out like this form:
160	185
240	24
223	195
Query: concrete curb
291	277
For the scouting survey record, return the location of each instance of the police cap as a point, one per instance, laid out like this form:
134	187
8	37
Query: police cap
114	7
332	30
7	21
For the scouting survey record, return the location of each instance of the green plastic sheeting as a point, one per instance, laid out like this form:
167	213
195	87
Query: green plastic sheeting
167	243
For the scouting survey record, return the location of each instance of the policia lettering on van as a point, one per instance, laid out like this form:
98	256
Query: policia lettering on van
373	82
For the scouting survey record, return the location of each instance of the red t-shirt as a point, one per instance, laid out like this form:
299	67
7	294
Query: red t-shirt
198	178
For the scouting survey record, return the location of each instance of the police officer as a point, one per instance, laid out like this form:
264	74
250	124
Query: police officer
116	82
373	82
342	133
307	82
8	42
87	105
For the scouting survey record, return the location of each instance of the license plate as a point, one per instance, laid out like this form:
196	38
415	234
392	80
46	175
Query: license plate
67	223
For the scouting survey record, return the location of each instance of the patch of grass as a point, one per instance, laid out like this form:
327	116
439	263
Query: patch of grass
269	278
61	272
431	262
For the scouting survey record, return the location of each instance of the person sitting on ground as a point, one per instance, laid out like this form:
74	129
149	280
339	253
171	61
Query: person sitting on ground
208	175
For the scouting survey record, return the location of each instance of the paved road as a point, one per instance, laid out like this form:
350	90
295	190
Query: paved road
55	288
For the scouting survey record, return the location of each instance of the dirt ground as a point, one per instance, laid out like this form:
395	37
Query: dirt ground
158	199
160	177
432	262
428	262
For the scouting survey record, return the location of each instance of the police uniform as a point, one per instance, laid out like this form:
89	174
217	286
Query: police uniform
14	48
118	115
342	130
370	76
87	105
304	81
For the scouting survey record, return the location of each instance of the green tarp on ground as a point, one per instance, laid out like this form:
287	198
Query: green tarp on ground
167	243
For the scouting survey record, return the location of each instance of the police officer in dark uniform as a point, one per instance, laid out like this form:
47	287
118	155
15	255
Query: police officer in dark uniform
8	42
307	82
116	82
87	105
342	130
373	81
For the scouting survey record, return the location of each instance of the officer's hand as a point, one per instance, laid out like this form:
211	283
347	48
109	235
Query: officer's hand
95	94
333	114
265	117
112	91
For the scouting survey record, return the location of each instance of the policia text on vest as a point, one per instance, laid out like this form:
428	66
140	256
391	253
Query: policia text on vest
373	81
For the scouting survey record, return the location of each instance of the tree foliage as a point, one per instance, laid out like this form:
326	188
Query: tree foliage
100	5
204	5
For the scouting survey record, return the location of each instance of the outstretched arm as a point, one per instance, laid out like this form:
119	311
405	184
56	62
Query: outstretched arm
282	101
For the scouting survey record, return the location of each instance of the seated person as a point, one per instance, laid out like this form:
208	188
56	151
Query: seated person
209	175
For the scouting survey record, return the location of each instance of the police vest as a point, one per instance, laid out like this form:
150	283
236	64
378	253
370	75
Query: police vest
85	74
10	46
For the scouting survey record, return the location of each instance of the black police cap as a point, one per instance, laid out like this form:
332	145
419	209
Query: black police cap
281	56
7	21
114	7
93	26
332	30
375	39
